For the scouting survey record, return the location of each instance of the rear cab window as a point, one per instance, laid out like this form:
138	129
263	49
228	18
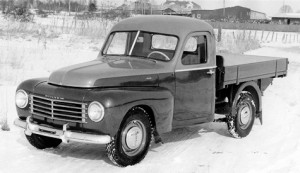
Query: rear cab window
195	51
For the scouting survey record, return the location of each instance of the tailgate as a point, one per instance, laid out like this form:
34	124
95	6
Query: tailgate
240	68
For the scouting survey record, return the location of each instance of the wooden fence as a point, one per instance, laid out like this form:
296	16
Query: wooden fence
256	26
262	35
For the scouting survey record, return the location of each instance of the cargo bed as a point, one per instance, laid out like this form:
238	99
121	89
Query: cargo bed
233	69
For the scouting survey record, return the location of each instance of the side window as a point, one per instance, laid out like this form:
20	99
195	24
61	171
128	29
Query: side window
195	51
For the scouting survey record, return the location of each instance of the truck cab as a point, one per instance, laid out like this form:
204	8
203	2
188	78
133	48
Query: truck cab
153	74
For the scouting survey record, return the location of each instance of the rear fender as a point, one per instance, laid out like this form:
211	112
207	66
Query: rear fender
256	92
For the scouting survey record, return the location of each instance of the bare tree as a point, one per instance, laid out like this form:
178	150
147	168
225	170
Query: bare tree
92	6
4	5
286	9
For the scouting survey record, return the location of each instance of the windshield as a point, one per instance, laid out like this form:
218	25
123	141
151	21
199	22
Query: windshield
141	45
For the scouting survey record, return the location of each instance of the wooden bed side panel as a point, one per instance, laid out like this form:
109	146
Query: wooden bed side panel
254	71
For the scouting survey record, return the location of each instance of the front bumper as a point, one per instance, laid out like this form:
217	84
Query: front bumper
63	134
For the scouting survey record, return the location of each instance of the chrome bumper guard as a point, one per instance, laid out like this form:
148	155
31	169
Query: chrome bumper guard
63	134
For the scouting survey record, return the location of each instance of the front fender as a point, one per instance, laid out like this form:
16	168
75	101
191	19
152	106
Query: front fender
119	101
28	86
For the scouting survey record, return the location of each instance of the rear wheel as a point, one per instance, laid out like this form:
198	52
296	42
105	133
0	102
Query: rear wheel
240	122
131	143
42	142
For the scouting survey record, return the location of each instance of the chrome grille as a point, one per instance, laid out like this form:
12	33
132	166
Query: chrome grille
58	109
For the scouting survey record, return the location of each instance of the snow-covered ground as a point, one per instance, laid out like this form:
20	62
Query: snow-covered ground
273	147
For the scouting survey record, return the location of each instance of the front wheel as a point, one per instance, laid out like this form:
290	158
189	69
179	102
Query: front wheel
240	122
131	143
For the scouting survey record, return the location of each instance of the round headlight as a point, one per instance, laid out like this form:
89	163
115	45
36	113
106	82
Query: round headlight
21	98
96	111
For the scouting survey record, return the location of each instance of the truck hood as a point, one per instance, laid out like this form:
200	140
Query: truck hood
108	73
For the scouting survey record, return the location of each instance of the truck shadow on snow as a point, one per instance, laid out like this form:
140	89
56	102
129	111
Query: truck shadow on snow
189	133
81	151
98	152
71	150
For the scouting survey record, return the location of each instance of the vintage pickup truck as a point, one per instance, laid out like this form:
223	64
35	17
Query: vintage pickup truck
153	74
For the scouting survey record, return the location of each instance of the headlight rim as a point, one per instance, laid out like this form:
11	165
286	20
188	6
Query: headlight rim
101	107
27	98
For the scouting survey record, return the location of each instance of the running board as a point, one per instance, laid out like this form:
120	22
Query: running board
221	120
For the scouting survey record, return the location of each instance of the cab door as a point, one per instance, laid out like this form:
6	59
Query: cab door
195	81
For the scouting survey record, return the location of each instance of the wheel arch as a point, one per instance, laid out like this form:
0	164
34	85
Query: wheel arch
144	108
160	118
254	89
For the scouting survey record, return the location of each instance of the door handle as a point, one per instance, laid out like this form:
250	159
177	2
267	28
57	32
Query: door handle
210	72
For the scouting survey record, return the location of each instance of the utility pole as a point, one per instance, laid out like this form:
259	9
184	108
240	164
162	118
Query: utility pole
69	7
151	7
224	8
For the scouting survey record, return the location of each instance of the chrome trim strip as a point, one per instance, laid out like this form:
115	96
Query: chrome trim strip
60	119
63	110
43	107
31	103
41	102
83	114
64	101
36	110
64	106
58	109
40	110
65	135
42	115
193	69
71	116
52	115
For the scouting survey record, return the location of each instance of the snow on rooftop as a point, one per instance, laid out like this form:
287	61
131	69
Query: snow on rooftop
287	15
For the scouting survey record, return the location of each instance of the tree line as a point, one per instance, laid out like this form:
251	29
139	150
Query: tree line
49	5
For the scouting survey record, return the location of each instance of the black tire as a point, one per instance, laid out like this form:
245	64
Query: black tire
132	141
241	121
42	142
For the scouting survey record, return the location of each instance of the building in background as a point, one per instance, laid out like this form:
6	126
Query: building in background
139	7
142	7
183	8
256	15
287	18
236	13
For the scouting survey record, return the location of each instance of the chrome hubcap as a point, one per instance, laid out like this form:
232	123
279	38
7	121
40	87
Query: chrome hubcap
133	137
245	115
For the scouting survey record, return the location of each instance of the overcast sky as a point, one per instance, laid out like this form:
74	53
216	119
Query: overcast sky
270	7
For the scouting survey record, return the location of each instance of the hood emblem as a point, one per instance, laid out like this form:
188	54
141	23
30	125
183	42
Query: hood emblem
54	97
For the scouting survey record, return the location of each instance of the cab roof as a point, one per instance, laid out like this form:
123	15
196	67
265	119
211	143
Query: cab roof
164	24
